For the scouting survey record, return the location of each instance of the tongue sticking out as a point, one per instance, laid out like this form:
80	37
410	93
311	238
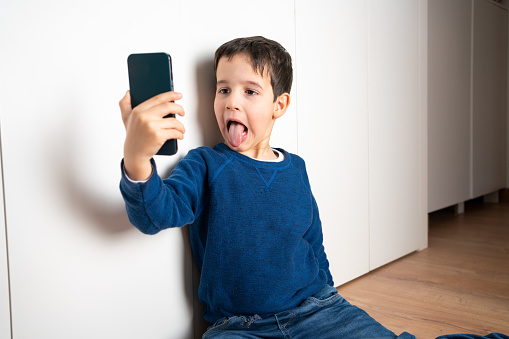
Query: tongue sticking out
236	133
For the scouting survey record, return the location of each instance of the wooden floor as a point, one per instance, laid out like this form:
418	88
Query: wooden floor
460	284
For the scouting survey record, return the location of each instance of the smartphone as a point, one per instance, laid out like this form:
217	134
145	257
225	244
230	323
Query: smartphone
150	74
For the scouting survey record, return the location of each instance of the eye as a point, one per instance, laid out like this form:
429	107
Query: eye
251	92
223	91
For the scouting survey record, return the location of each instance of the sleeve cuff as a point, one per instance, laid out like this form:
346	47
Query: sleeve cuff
136	192
137	181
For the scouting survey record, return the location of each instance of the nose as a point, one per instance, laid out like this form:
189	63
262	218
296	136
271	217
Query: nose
232	103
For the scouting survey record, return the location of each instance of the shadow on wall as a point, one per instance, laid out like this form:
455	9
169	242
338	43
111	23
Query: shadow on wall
105	218
108	217
206	91
111	218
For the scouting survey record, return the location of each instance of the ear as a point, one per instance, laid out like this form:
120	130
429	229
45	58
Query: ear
281	105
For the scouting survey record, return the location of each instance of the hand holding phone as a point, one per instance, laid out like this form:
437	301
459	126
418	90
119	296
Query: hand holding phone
151	74
147	130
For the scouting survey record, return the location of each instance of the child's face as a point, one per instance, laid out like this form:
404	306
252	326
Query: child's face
244	106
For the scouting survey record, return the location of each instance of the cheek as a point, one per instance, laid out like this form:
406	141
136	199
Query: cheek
215	104
218	113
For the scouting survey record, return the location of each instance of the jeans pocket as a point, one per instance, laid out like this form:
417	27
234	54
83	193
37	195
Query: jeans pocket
218	325
325	300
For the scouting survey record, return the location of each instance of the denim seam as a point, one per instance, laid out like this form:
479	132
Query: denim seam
283	328
225	324
324	302
289	321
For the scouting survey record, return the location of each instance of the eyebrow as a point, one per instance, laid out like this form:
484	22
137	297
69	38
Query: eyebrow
248	82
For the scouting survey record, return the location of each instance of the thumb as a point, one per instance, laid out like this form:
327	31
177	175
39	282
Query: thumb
125	107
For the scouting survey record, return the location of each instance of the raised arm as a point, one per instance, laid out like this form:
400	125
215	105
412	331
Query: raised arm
147	130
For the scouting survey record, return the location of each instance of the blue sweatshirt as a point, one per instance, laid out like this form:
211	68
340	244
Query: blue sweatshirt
255	230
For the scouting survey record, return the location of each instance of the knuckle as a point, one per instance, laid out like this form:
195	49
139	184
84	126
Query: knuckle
135	111
166	105
151	125
159	136
162	97
143	119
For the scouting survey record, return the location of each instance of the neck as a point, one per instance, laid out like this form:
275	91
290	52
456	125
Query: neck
265	153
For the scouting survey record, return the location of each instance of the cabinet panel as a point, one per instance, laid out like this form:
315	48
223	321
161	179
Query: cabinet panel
450	27
393	96
489	97
78	268
5	312
358	113
333	125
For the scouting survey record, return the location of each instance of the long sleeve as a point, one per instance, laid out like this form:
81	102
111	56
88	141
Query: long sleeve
159	204
314	236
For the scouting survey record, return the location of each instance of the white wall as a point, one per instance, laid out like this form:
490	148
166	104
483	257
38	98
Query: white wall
78	268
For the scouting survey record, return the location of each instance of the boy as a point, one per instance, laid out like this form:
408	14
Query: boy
255	230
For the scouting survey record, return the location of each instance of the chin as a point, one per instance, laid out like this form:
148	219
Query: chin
241	148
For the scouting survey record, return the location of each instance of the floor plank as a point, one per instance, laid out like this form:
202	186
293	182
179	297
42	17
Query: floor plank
459	284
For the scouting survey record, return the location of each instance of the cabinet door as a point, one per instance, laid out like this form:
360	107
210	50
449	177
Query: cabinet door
489	97
450	63
393	96
78	268
358	109
5	311
332	113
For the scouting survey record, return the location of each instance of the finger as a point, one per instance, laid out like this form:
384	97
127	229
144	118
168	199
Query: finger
125	102
165	108
168	134
160	111
125	106
165	125
169	123
160	98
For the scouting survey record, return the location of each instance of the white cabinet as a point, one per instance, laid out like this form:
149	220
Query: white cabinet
5	311
449	56
332	108
489	97
394	109
78	269
467	100
359	109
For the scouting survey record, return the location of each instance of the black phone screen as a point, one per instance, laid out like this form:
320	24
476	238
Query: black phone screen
150	74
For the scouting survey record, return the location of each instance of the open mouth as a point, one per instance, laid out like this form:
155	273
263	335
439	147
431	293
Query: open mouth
237	132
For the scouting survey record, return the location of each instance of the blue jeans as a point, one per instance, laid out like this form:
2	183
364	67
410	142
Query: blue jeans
324	315
473	336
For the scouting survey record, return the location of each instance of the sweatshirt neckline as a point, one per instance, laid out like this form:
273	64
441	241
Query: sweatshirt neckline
255	162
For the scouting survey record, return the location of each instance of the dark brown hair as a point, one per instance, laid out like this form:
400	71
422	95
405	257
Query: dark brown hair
267	56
